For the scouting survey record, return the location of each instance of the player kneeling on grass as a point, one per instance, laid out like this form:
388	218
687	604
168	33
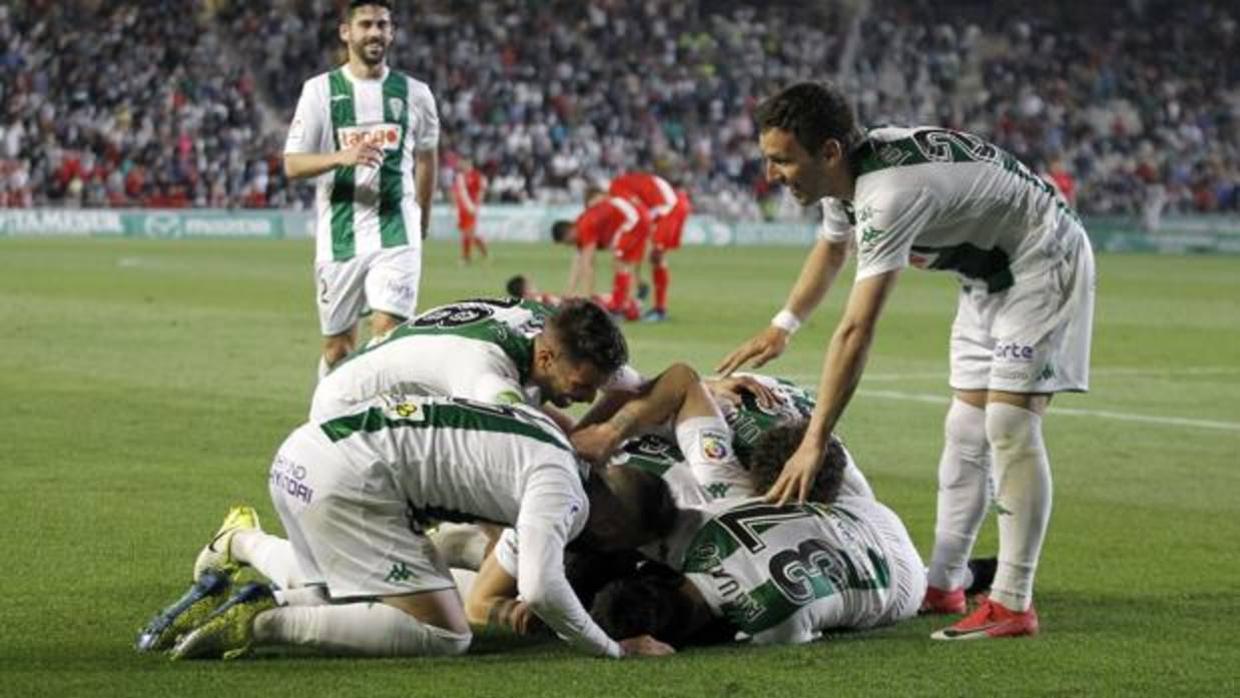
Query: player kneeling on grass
349	491
774	574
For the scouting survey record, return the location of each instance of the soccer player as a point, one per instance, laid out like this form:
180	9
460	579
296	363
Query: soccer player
776	574
368	135
608	223
945	200
669	208
353	491
717	424
469	188
492	350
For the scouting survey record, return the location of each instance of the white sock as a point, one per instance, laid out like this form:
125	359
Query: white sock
370	629
963	493
707	445
1022	498
314	595
272	556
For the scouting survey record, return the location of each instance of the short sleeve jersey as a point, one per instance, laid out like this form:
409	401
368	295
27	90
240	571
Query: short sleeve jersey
363	209
939	199
651	191
603	224
481	349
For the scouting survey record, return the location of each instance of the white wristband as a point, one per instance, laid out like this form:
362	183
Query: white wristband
787	321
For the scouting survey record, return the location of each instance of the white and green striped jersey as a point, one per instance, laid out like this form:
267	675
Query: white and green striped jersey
934	198
657	455
750	420
481	349
364	209
458	460
784	574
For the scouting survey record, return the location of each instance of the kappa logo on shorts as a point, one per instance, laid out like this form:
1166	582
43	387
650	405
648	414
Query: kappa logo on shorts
400	572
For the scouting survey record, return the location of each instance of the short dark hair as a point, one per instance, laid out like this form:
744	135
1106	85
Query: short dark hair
560	229
586	332
647	602
813	112
516	286
775	447
355	4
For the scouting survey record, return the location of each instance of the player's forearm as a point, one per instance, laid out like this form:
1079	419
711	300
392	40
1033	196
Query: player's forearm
818	273
306	165
841	372
426	171
658	403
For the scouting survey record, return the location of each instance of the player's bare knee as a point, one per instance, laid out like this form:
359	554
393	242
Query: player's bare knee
336	347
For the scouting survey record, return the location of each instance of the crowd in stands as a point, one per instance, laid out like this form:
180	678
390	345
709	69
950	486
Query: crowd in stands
1124	105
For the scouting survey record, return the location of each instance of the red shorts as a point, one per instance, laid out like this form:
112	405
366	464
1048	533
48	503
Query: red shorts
631	247
667	230
465	221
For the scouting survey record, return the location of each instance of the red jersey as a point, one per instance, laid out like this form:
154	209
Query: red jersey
615	223
652	191
467	191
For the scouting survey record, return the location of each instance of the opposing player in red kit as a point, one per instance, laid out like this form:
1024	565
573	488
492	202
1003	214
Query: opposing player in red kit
469	187
668	208
609	223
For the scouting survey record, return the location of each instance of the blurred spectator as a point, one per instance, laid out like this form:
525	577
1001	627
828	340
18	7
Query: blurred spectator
1121	100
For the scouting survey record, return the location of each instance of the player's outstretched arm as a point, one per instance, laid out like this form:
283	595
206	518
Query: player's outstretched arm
817	274
841	372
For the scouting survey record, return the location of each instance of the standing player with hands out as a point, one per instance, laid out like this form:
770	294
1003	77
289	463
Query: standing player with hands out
942	200
368	135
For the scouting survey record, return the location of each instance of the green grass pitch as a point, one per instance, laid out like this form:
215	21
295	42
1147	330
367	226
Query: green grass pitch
145	384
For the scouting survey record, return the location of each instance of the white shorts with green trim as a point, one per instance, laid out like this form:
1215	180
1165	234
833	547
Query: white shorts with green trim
1035	336
385	280
351	531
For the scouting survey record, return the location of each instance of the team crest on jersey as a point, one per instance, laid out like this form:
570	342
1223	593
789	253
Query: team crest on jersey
396	106
410	411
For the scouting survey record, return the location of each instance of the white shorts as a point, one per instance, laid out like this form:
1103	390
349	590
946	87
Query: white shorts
1032	338
350	528
908	572
385	280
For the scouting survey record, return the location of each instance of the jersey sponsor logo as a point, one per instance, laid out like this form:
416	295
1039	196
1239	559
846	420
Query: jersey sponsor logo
385	136
287	477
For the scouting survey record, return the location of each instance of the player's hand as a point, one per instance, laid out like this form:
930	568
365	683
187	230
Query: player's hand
797	477
595	443
524	621
761	348
644	646
731	389
361	154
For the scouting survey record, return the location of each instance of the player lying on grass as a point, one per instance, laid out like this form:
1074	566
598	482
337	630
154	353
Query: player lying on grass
774	574
350	491
494	350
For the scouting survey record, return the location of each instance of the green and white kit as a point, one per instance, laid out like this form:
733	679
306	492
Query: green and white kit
367	219
946	200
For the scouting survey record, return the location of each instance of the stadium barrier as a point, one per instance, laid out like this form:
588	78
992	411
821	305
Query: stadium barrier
532	223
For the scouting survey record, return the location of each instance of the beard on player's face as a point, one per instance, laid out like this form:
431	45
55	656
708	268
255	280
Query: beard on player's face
365	51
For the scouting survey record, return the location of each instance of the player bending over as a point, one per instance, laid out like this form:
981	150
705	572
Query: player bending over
351	492
608	223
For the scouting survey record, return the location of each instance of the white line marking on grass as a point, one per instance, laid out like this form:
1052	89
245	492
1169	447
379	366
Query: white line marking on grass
1104	414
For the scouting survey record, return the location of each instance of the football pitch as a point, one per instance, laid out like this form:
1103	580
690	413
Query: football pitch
144	386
